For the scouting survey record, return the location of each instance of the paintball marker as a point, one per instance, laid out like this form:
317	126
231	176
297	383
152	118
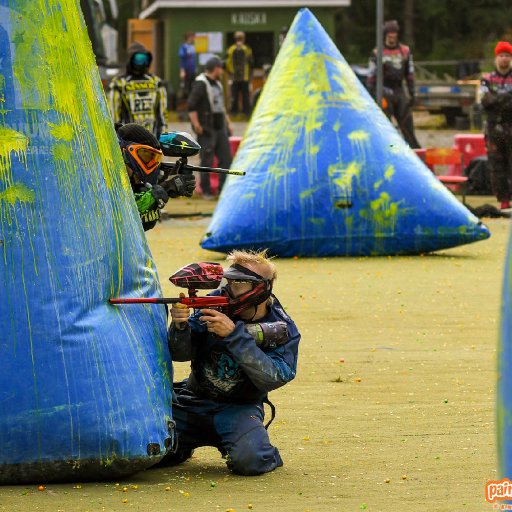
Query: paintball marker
207	276
182	145
195	276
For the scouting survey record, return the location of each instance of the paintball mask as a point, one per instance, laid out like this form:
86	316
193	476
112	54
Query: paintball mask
140	62
141	152
260	291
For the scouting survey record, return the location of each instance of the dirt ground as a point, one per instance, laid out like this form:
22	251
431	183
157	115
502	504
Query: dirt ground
393	407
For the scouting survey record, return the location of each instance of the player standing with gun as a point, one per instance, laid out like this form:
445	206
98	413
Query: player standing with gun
496	94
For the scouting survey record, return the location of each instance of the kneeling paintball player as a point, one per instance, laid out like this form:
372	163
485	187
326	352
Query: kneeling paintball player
237	357
142	156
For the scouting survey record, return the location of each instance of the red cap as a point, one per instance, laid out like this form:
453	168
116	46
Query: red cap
503	47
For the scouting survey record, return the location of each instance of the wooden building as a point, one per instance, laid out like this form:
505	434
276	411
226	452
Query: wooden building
162	25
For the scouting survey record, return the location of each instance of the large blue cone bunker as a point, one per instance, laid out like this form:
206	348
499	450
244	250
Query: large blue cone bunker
84	386
504	385
327	173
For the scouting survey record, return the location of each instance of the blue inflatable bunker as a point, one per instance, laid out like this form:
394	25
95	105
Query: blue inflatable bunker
504	387
84	386
327	173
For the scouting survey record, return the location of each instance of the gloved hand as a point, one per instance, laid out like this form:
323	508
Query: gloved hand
160	195
180	185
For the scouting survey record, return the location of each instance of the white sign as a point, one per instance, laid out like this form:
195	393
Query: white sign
215	42
249	18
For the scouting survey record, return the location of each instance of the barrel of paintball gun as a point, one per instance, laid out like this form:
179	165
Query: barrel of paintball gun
210	301
218	170
187	167
144	300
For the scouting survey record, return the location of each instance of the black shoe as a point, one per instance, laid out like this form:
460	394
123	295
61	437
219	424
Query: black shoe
173	459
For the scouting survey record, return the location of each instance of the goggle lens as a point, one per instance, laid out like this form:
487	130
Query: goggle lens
147	157
238	287
140	59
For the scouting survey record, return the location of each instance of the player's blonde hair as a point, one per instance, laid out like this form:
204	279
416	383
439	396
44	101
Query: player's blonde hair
247	257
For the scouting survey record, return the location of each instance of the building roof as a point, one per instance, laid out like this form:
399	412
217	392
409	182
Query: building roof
219	4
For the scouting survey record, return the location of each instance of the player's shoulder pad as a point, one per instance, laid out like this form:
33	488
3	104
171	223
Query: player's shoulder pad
405	49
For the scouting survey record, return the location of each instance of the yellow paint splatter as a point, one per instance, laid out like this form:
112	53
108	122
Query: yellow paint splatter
279	171
385	213
11	141
390	170
308	192
61	131
17	192
62	152
358	135
346	174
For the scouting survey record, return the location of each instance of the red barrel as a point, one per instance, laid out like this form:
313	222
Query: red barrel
471	145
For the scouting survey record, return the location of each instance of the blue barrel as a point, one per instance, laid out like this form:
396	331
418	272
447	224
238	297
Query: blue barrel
327	172
85	387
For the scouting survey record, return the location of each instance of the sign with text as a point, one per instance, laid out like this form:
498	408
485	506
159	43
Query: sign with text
248	18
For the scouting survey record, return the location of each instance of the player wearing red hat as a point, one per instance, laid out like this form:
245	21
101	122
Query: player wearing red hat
496	98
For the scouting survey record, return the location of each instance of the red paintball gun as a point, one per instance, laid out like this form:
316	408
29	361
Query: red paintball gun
195	276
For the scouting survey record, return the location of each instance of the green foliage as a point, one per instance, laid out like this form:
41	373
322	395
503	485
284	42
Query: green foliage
441	29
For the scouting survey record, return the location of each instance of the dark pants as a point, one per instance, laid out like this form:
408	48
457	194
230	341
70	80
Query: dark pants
499	154
237	89
187	83
236	430
399	108
215	143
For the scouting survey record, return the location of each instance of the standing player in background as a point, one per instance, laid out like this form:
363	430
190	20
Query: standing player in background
138	96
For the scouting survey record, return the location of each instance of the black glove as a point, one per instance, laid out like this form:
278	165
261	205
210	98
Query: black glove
180	185
160	195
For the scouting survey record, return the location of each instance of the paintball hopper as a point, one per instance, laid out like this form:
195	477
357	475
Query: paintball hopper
179	144
198	276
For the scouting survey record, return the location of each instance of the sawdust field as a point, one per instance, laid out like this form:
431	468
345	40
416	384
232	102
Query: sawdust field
407	420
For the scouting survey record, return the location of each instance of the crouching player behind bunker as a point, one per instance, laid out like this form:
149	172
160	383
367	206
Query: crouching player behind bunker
237	357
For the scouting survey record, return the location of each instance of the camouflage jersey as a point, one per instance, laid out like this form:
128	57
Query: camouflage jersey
146	206
397	66
496	97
